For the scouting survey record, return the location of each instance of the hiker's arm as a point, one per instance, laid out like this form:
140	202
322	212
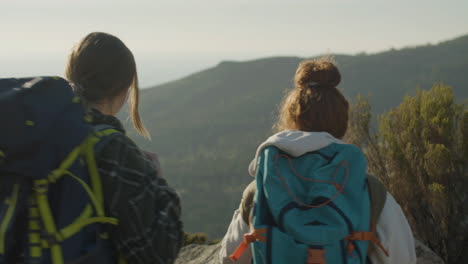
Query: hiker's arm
395	235
148	210
238	228
233	239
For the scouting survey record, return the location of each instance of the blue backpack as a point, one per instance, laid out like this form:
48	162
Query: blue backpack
313	209
51	202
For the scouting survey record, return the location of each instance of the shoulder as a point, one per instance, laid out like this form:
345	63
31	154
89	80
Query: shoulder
351	152
115	144
121	153
270	151
391	209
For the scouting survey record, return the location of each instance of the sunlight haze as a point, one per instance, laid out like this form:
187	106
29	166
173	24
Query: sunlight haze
171	39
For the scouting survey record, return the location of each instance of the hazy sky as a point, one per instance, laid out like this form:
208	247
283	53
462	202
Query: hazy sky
173	38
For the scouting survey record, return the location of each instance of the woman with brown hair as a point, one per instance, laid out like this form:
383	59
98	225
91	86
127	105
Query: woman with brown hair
103	72
312	117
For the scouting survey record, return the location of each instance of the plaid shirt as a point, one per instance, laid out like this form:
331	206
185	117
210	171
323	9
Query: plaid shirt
150	229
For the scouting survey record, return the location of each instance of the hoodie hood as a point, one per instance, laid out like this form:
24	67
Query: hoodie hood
295	143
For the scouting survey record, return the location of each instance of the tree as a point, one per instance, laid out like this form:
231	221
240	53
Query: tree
421	153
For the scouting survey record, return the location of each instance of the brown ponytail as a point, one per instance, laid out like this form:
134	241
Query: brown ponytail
134	102
315	104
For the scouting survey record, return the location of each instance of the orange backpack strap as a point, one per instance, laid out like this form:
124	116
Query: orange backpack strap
364	236
255	235
316	256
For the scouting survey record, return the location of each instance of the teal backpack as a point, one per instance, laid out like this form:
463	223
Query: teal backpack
312	209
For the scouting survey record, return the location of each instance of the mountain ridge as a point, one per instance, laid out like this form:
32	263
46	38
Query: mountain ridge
207	125
452	41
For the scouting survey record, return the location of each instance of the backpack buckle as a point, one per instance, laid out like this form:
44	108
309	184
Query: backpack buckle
52	239
316	256
365	236
41	186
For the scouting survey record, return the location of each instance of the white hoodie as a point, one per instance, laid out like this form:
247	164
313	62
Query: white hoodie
392	227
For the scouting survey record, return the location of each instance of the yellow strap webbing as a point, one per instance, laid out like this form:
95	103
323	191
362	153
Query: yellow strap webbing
76	227
92	166
97	205
56	253
69	160
8	216
107	132
93	172
69	230
122	259
48	221
35	249
34	227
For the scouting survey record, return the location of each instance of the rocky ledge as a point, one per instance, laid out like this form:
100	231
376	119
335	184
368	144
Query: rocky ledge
203	254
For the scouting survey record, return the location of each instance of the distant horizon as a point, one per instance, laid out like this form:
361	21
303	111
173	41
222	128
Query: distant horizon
308	56
200	64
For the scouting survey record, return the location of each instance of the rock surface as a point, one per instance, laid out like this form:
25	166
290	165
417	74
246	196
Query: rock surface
204	254
426	255
199	254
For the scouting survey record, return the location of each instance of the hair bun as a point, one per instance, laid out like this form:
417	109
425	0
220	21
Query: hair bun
320	73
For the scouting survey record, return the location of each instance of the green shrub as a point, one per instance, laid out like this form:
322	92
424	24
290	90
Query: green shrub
195	238
421	153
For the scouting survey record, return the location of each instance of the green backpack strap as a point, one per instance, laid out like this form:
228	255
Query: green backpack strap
378	196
